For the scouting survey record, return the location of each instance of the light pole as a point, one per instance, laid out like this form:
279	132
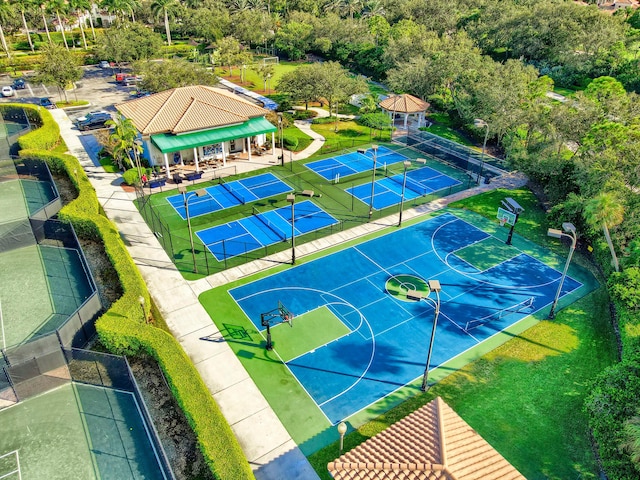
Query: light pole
342	429
281	128
141	302
198	193
406	164
291	198
434	286
479	123
137	146
571	233
373	178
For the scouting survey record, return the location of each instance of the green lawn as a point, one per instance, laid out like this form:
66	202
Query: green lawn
253	81
525	397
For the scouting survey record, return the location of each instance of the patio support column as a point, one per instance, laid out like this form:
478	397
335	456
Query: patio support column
406	117
195	158
249	148
273	143
166	164
224	154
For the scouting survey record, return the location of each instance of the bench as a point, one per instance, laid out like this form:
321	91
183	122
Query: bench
307	193
193	176
177	178
156	182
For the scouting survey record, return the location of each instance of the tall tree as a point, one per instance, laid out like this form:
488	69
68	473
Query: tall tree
6	12
59	67
79	7
58	7
605	211
43	11
127	43
160	76
120	8
123	143
25	6
163	8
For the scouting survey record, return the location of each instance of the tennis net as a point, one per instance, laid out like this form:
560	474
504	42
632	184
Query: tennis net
411	184
269	224
238	196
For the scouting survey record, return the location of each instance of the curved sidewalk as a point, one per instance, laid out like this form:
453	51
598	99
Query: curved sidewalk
268	447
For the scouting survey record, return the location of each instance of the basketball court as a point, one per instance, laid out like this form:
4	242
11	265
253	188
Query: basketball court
356	332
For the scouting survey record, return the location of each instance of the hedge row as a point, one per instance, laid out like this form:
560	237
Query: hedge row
46	136
123	330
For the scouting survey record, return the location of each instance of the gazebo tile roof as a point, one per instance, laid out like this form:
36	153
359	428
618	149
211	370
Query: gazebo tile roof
404	103
185	109
432	443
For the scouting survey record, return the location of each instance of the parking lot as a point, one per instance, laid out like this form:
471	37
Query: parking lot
97	86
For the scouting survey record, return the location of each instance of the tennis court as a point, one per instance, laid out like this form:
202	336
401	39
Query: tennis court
76	431
52	285
388	191
229	194
356	162
263	228
358	336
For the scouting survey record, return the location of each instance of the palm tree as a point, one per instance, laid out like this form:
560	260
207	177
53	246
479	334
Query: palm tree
57	6
44	20
605	210
6	12
164	7
23	6
79	7
123	140
631	439
120	7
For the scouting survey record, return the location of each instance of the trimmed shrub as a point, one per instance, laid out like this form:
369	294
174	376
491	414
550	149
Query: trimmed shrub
290	142
130	176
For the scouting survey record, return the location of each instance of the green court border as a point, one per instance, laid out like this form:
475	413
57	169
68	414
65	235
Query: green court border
307	426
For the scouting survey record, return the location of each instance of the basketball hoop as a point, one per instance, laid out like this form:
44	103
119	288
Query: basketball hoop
503	221
288	318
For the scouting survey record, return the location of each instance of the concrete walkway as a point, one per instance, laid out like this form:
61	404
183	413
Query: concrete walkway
268	447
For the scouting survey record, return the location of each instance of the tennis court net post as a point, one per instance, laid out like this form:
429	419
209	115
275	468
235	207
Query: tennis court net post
231	190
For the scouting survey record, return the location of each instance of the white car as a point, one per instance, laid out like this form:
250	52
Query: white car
7	91
104	64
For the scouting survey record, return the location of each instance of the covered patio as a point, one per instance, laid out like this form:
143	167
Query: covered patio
407	106
191	129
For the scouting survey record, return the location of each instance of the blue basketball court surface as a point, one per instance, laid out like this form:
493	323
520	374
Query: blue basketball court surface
355	162
230	194
385	338
267	228
388	191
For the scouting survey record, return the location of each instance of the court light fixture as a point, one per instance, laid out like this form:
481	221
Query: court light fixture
434	287
569	232
479	123
185	198
373	179
291	198
406	165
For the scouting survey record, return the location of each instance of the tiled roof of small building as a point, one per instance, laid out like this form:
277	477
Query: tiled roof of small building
186	109
404	103
432	443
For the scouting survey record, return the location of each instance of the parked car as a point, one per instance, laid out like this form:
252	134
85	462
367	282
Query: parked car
7	91
19	84
46	103
104	64
132	80
93	120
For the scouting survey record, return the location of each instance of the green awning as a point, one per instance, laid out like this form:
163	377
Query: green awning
168	143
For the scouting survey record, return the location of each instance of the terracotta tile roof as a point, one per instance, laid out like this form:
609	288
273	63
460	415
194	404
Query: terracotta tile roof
186	109
404	103
432	443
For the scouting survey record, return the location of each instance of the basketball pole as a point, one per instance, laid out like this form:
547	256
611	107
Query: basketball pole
4	339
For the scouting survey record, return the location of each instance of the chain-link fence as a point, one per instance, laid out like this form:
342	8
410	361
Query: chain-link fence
331	195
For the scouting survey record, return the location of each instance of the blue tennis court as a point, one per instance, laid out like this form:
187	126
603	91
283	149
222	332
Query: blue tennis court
230	194
388	191
355	162
385	337
267	228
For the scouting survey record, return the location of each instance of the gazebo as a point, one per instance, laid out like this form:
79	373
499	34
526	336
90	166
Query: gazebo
198	124
432	443
406	105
